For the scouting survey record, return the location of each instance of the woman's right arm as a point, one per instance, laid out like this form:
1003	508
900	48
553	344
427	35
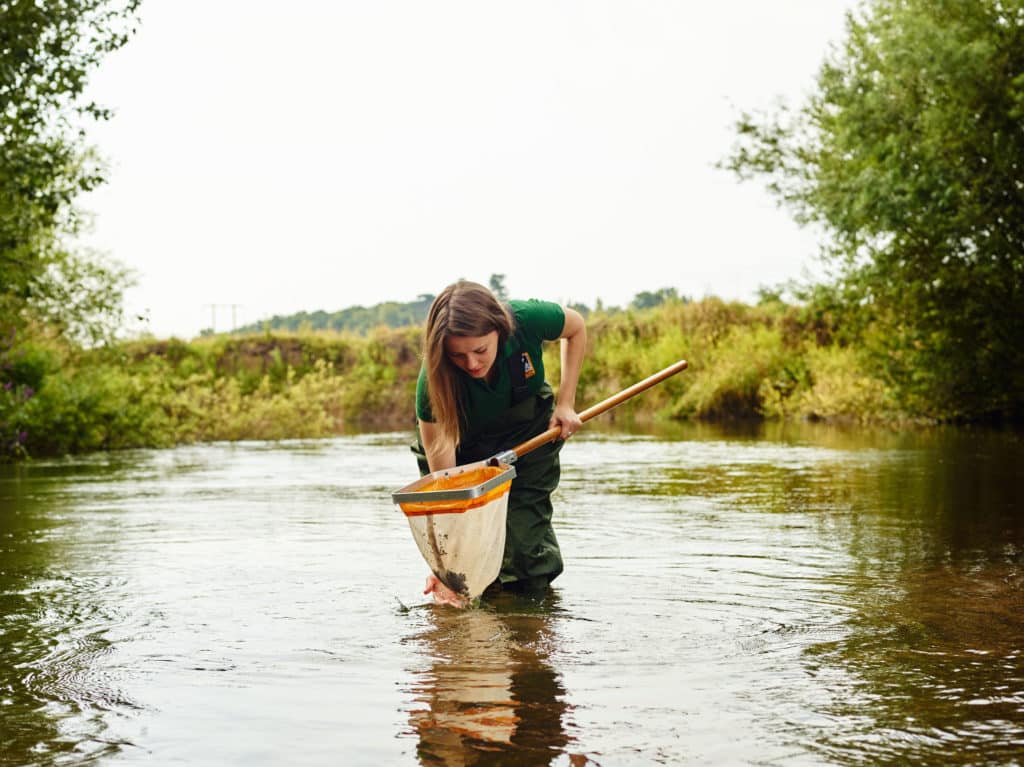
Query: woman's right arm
439	454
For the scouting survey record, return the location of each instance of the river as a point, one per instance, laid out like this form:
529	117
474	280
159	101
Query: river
775	594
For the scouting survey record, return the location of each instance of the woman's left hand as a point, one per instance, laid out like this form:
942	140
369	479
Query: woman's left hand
441	593
566	419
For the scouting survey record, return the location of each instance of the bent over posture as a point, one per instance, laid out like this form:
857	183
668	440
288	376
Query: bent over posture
482	390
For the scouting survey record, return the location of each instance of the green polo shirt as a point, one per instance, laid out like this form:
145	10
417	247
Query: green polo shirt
536	322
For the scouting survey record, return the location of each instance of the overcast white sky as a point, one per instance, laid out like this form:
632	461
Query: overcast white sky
273	157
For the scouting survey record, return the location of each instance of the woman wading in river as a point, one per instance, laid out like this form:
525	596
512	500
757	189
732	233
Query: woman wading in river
481	390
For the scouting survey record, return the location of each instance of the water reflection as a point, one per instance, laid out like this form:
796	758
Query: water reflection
932	669
490	694
894	569
934	674
54	627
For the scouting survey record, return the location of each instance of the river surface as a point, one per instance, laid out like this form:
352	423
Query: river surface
755	596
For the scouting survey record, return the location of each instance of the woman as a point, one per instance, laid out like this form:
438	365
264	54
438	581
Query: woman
482	390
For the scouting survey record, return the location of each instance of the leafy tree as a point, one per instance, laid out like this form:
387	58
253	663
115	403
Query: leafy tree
48	291
497	286
910	153
47	50
770	294
646	299
581	308
355	319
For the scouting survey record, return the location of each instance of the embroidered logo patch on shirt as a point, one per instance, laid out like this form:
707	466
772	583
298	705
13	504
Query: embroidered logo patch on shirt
528	370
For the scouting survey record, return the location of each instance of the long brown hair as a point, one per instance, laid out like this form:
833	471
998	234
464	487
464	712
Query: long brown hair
462	309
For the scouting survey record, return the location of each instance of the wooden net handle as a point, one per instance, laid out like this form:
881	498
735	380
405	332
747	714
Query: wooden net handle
601	407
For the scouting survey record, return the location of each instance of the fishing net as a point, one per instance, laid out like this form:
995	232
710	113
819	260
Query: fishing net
457	517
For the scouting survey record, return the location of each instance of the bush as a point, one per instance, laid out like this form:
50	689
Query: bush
95	408
841	388
737	374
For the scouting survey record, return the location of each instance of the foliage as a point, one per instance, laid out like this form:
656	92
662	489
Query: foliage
363	320
160	393
768	361
739	373
51	297
95	408
355	319
497	286
23	367
208	408
841	387
626	347
911	154
46	53
647	299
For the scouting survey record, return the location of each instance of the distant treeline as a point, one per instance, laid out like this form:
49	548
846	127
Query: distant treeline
356	319
393	314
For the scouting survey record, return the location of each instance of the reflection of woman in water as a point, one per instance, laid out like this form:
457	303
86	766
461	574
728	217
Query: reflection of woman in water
492	697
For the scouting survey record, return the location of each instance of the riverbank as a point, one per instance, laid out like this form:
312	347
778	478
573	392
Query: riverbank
745	362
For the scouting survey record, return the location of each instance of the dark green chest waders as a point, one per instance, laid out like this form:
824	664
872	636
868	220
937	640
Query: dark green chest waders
532	558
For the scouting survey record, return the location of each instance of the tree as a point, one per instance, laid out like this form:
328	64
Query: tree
910	154
46	53
497	286
646	299
47	289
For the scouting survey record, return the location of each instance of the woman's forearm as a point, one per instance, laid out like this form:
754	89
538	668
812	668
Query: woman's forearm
439	454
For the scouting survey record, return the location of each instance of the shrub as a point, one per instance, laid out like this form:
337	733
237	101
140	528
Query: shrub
841	388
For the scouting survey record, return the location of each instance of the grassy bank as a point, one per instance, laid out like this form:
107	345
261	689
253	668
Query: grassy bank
768	361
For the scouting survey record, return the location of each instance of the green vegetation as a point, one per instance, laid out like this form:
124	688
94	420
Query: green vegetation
909	155
46	52
355	319
161	393
766	361
50	294
392	314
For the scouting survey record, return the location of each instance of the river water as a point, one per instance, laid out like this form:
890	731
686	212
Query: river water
797	595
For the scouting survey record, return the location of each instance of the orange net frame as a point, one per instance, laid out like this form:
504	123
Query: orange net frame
460	481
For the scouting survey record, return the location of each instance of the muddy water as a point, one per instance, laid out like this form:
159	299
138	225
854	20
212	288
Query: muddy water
795	596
